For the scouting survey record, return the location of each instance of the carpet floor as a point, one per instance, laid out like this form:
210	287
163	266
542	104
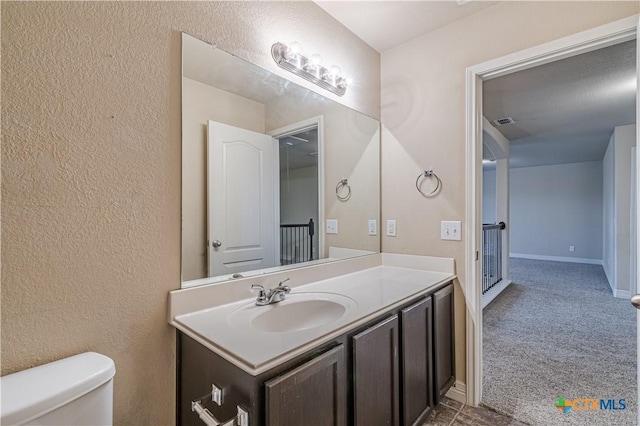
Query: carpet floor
557	331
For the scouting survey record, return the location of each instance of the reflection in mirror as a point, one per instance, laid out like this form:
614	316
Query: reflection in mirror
261	159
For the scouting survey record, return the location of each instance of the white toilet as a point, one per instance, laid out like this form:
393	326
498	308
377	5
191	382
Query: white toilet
73	391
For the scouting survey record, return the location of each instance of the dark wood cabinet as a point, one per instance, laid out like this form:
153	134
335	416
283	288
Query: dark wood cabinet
376	383
311	394
388	371
443	341
417	361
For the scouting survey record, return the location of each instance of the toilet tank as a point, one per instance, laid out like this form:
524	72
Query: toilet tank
73	391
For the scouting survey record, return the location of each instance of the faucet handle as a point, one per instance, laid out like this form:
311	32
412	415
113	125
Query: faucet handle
261	295
286	288
284	281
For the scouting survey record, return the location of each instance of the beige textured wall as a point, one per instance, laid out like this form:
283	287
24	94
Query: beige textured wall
423	98
91	172
201	103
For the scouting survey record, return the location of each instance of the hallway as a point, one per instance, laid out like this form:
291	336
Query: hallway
556	332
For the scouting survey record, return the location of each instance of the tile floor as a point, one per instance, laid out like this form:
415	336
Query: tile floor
454	413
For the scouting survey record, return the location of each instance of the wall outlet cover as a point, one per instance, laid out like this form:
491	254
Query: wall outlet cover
332	226
373	227
450	230
391	228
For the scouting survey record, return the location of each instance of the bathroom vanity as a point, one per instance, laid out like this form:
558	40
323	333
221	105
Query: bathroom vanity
359	339
372	344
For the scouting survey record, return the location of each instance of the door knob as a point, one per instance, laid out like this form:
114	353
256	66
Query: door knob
635	301
216	243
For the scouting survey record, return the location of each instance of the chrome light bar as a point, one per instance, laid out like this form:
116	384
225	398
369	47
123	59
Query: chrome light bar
310	69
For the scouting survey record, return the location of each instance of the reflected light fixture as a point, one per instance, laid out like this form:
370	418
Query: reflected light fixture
291	59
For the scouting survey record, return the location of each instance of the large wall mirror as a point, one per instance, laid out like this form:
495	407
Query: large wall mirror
267	167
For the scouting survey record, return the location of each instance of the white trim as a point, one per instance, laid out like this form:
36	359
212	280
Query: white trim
586	41
473	239
491	295
318	122
472	362
458	392
557	258
566	47
634	224
637	210
276	204
622	294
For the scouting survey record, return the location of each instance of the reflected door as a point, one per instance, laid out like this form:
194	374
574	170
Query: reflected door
241	193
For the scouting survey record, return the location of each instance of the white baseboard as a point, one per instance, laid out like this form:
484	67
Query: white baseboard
622	294
494	292
557	258
609	279
458	392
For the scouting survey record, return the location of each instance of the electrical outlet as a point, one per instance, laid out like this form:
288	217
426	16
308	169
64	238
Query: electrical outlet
391	228
450	230
332	226
572	248
373	227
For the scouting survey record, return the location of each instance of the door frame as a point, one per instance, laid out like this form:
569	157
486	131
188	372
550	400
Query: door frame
291	129
583	42
634	216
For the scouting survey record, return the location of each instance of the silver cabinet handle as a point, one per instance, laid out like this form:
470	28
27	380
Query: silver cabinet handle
241	418
635	301
216	243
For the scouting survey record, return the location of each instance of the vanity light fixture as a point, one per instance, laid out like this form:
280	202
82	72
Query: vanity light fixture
291	59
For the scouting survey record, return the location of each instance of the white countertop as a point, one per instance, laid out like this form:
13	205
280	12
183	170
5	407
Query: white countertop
373	290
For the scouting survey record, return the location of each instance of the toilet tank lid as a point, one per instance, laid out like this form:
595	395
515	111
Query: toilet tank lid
31	393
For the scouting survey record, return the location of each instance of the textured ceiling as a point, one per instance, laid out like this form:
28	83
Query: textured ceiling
299	150
565	111
386	24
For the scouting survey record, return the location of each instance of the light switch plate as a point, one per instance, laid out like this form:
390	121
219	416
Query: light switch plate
373	227
391	228
332	226
450	230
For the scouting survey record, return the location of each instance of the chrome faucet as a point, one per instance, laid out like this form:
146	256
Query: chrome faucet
274	295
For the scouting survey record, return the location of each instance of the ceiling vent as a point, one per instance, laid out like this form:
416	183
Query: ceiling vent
503	121
292	141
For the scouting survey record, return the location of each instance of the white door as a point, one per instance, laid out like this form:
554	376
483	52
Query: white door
240	199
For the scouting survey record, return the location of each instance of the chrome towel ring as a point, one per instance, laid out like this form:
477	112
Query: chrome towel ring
428	174
343	183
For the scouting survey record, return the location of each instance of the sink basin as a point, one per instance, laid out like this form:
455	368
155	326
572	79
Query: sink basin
301	311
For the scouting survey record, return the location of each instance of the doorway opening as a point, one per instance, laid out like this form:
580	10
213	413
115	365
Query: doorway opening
299	197
587	41
300	192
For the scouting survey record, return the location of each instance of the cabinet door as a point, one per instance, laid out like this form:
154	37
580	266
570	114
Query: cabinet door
417	361
376	375
312	394
444	362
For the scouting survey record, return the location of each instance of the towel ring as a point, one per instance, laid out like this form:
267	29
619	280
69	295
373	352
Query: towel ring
428	174
339	186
